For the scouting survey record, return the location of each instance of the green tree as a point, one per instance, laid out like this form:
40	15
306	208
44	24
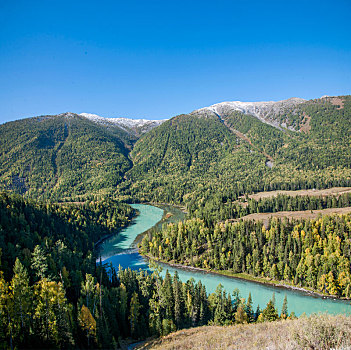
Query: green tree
270	313
249	311
178	302
284	313
39	262
167	326
89	290
20	296
134	315
6	333
167	300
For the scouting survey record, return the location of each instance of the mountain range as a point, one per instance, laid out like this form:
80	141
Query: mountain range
223	150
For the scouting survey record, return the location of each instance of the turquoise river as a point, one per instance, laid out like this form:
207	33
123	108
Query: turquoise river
119	250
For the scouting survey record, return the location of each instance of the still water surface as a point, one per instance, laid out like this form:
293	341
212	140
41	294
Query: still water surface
119	250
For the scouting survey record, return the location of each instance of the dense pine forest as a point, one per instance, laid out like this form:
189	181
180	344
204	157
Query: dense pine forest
306	253
62	157
53	294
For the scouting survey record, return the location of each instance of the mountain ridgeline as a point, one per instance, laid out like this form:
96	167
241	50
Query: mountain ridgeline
218	152
220	156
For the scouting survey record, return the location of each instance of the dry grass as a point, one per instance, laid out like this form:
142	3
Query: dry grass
245	138
306	214
336	101
306	127
335	191
315	332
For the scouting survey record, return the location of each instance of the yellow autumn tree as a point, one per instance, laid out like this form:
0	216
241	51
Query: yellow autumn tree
87	322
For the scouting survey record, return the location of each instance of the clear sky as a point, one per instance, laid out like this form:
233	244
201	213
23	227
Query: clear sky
156	59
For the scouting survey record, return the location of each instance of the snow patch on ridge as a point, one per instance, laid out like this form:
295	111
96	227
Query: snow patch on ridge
143	125
260	110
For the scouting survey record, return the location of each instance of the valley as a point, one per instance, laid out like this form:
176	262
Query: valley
265	194
175	175
119	251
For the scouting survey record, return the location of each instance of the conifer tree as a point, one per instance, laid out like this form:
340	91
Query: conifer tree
284	313
270	312
167	300
249	311
134	315
6	334
178	302
273	299
21	301
236	299
39	262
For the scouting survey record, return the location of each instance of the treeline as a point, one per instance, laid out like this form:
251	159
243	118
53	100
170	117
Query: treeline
297	203
220	208
306	253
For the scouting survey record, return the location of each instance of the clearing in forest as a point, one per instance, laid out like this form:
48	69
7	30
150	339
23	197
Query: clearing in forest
334	191
305	214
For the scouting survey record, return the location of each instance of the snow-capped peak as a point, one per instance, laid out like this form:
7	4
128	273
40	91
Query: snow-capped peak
256	108
127	124
261	110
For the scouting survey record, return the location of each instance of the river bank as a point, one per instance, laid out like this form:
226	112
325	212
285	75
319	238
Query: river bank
105	237
171	214
246	277
158	204
117	252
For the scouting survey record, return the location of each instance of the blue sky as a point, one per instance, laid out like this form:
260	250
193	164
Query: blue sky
156	59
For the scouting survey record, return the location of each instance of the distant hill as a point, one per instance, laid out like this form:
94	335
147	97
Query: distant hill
217	152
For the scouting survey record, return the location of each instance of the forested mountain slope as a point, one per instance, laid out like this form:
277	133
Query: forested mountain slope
63	156
218	153
194	157
207	160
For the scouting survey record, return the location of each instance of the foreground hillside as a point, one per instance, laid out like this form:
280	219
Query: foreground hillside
316	332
